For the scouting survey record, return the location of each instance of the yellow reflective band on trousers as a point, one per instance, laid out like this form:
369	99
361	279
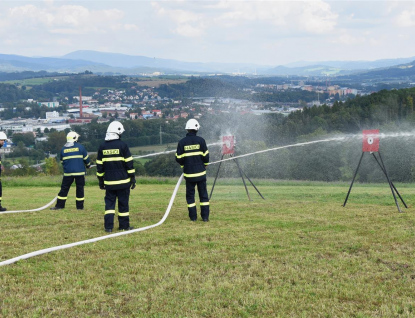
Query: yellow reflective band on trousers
80	199
191	205
74	174
193	175
72	157
124	214
62	198
117	182
110	212
100	174
204	203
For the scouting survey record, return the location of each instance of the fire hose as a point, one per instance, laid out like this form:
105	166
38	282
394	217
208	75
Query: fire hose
33	210
100	238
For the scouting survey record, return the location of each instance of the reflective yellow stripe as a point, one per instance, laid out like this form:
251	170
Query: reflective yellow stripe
72	157
131	171
204	203
86	157
113	159
110	212
80	199
62	198
181	167
128	159
74	174
100	174
191	205
192	175
124	214
117	182
99	162
0	198
204	155
190	154
206	163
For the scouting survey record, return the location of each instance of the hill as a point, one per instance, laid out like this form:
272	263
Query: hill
117	64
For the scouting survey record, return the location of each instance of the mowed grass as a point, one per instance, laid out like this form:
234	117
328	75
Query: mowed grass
298	253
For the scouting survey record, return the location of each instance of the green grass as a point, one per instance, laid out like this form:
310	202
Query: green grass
153	148
299	253
34	81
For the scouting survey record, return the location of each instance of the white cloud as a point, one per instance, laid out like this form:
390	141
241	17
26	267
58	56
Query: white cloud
65	19
406	18
187	23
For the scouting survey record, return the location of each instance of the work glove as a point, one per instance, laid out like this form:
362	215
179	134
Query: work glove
101	183
132	184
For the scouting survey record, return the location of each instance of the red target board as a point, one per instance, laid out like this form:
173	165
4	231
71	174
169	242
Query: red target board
228	144
370	140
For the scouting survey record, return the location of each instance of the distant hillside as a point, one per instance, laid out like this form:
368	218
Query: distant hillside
132	61
354	65
121	64
311	70
398	72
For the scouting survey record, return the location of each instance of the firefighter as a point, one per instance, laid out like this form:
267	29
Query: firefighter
74	159
193	156
3	138
116	175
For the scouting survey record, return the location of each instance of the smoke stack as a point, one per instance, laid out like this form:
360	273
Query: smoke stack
80	103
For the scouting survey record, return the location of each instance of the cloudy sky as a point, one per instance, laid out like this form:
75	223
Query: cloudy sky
262	32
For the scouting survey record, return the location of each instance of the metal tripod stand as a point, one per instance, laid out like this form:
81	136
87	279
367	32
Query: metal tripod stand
391	185
242	174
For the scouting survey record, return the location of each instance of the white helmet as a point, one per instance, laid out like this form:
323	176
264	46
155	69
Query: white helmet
72	136
116	127
2	136
192	124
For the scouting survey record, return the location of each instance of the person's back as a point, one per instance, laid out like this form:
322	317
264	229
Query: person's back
74	157
116	175
114	156
193	156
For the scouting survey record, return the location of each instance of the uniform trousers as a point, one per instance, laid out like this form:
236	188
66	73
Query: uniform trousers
123	208
66	185
203	197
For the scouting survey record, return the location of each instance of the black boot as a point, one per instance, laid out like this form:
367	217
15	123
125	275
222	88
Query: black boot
2	209
56	208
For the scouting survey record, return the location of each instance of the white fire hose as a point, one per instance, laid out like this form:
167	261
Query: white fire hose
34	210
52	249
61	247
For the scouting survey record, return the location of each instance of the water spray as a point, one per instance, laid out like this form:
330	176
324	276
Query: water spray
48	250
228	149
371	145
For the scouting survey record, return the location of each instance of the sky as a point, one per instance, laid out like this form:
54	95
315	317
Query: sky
260	32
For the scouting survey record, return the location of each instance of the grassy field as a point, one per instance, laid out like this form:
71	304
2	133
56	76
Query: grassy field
34	81
298	253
